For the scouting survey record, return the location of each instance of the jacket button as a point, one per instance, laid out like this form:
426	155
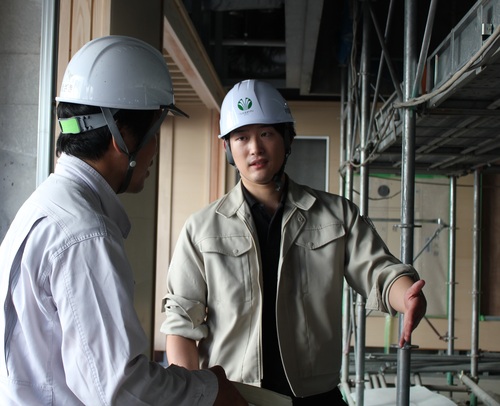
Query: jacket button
235	252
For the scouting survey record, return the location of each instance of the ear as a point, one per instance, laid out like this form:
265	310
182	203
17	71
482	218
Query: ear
128	141
114	145
229	154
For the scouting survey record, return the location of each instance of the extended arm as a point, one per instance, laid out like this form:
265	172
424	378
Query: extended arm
406	297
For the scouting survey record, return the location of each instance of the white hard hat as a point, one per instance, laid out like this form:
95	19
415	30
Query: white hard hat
252	102
118	72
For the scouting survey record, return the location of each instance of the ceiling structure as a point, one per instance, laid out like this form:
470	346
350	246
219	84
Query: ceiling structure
458	117
455	135
301	47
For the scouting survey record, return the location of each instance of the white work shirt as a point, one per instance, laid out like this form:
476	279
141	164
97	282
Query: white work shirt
69	331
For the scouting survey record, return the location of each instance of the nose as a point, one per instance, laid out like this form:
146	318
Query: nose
255	144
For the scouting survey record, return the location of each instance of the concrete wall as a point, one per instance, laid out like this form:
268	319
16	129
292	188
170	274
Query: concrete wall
20	30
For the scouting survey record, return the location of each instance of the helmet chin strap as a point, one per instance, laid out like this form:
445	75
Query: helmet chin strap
288	150
115	132
277	178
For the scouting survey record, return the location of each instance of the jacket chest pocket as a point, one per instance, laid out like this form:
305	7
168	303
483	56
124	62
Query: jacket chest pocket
228	266
319	257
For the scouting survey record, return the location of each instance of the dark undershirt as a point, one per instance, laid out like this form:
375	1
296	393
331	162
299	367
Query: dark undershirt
269	235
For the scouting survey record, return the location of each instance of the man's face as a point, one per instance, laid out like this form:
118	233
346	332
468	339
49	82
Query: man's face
258	151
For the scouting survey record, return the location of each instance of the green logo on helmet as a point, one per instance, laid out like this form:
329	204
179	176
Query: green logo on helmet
244	104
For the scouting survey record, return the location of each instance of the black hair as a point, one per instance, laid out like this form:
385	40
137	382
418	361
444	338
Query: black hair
286	129
93	144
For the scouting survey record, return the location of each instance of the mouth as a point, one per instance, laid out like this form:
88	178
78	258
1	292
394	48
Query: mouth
258	163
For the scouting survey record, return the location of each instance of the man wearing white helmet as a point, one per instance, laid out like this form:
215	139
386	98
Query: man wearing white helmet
70	334
255	282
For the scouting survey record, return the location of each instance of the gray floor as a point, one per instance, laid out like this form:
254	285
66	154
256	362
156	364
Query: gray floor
489	384
432	371
431	390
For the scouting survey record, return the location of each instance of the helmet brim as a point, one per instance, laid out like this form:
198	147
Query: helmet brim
176	111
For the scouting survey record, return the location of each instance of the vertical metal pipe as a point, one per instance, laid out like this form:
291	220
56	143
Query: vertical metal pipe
46	91
346	303
346	332
365	115
360	349
451	266
348	173
365	109
343	111
475	275
384	56
348	190
408	139
407	188
349	141
451	273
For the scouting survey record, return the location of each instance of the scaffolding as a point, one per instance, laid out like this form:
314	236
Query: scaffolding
435	122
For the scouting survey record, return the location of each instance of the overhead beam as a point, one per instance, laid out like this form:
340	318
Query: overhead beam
183	45
312	22
302	21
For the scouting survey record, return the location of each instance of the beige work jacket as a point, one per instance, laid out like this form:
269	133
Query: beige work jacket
215	285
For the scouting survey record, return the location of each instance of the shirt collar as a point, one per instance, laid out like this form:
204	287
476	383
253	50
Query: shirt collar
252	201
82	173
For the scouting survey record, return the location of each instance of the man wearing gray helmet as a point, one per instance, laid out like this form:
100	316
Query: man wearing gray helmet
255	283
70	333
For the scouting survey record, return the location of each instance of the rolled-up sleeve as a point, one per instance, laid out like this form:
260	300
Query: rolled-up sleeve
185	301
184	317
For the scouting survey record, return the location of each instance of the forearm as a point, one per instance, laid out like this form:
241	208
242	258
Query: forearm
182	351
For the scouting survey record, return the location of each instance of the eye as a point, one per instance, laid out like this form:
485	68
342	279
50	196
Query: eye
268	132
238	137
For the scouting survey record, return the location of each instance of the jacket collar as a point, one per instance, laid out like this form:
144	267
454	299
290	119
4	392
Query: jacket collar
298	196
